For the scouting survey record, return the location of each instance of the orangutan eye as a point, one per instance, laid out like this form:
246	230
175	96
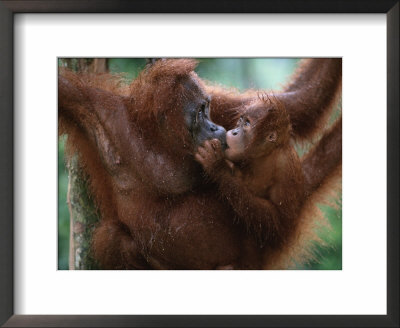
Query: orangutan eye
206	111
247	123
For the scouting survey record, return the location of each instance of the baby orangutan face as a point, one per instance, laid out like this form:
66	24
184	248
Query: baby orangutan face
239	139
262	128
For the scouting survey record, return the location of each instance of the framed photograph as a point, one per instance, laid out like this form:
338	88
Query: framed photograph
234	45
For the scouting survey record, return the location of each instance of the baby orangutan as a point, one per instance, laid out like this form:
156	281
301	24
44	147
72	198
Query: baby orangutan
260	173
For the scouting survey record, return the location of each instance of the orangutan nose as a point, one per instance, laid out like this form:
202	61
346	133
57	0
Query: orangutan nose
235	132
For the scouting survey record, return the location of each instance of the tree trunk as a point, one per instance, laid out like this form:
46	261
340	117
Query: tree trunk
83	218
83	214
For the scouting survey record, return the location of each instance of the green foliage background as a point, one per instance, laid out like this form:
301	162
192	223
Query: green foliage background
241	73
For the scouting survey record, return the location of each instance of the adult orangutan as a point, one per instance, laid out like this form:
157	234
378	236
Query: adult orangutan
137	146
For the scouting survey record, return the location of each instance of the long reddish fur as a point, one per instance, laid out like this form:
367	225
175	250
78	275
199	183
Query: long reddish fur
89	103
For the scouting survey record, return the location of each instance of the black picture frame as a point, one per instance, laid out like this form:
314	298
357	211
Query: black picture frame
7	11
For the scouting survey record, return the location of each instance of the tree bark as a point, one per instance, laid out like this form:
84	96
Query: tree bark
83	218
